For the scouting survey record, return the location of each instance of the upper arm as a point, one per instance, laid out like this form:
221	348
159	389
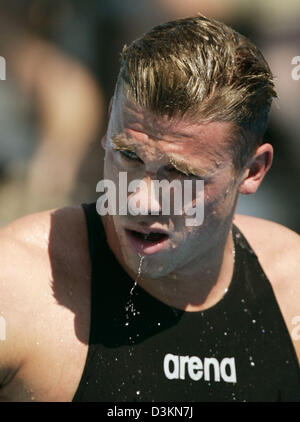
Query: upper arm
12	311
21	262
38	269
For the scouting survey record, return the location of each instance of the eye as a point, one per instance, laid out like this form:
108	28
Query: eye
129	155
174	170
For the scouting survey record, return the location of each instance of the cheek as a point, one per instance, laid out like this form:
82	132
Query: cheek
218	199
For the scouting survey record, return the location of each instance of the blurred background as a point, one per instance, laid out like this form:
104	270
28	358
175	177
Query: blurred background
62	60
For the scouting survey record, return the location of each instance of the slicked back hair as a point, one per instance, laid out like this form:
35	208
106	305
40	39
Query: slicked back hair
201	69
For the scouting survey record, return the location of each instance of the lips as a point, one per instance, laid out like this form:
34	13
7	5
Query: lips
146	242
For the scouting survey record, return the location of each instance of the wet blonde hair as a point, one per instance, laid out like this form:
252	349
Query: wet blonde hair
201	69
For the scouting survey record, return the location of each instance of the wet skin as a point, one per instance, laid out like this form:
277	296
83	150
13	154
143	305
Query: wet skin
46	268
195	263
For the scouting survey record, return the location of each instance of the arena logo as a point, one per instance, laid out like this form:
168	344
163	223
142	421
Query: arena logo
296	69
180	367
2	69
187	197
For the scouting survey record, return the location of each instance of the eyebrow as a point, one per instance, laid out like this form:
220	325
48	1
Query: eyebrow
120	145
187	168
178	164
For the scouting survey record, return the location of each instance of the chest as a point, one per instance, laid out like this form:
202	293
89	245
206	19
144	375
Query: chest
224	355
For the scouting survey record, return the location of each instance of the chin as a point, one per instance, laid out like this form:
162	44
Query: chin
156	268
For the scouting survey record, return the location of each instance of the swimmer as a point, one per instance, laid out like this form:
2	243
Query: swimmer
121	307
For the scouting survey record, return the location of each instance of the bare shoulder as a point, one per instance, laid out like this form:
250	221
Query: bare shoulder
39	255
40	234
278	251
262	228
277	247
34	229
39	243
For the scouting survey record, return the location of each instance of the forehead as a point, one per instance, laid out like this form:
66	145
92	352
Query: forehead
132	123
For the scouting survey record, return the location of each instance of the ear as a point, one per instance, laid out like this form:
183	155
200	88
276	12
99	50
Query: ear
256	169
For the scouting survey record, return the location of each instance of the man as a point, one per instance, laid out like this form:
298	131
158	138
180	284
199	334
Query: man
146	307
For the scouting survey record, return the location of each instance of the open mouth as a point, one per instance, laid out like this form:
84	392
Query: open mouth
149	237
146	243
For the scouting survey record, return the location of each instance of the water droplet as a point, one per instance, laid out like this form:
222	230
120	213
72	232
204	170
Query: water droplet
140	266
130	305
252	364
133	287
253	321
225	334
138	393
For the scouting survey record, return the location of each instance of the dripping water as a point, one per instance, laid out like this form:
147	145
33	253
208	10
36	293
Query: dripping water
130	308
138	274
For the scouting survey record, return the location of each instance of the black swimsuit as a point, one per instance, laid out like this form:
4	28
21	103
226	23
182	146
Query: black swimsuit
143	350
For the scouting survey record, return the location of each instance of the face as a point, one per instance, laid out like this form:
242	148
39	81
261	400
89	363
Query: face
146	148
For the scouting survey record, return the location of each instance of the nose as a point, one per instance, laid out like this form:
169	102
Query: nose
143	200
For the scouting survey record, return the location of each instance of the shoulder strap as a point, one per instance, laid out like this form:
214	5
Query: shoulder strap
95	235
